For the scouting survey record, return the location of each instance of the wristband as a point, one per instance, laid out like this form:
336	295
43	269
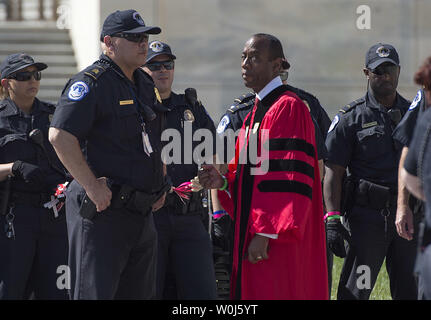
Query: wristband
332	213
224	185
333	217
219	214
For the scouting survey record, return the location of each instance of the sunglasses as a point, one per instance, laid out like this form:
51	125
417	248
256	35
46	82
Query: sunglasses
26	75
381	70
156	66
133	37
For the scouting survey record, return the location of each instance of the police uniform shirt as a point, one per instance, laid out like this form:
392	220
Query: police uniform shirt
15	143
180	115
403	133
104	111
360	137
235	115
418	160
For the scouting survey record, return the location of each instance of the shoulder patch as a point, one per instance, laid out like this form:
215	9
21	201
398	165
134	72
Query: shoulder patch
223	124
95	72
416	100
334	123
78	90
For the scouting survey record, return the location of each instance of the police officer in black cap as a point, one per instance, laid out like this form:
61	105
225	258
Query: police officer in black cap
360	140
184	249
232	121
110	109
33	237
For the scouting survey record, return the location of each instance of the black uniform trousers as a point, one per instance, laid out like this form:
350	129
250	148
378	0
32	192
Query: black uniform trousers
113	255
369	247
35	260
185	251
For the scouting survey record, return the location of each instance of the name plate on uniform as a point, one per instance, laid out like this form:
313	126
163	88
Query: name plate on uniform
125	102
369	124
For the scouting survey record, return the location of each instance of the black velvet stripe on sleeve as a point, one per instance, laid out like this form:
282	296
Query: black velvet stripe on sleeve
286	186
291	165
285	144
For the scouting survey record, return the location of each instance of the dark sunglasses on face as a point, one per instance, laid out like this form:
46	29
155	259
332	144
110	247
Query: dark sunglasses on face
134	37
26	75
381	70
156	66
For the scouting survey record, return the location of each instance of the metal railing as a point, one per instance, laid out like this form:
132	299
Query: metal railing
15	10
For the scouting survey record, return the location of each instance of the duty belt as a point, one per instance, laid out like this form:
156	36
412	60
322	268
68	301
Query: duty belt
375	196
124	196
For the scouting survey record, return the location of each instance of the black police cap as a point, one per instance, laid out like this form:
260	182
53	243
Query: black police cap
380	53
126	21
157	48
18	61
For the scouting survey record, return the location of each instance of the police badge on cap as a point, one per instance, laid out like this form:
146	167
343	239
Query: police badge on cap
380	53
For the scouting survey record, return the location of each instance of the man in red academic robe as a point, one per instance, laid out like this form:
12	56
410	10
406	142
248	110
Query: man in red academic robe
272	189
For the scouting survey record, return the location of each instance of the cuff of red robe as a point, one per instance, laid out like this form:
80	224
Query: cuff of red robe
272	236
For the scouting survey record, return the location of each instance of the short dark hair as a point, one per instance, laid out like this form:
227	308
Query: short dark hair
275	48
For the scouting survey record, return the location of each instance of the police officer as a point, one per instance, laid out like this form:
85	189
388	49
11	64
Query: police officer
232	121
184	246
33	237
110	110
360	139
409	209
416	171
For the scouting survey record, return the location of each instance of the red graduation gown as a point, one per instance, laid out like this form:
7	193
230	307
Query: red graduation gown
286	200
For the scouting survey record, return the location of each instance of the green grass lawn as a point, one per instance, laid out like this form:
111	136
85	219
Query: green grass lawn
381	289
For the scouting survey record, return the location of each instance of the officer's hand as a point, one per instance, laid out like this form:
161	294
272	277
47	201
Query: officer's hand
28	172
209	177
258	249
159	203
335	234
100	194
404	222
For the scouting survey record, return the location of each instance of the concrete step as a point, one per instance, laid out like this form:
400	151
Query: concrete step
35	49
34	37
29	25
52	59
44	42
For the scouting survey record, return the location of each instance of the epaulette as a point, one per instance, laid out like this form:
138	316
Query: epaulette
351	105
244	101
95	71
